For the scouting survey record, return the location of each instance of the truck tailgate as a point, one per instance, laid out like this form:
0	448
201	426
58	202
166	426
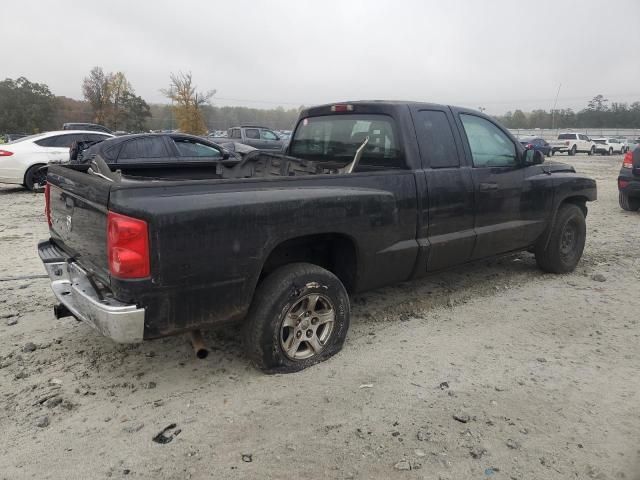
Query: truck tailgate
78	206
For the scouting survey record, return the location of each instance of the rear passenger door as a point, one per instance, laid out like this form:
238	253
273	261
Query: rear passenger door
450	191
144	153
58	146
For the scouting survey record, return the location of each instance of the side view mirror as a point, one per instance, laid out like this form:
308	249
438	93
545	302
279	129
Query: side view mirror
533	157
225	155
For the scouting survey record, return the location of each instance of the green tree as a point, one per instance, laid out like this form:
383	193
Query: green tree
136	112
25	106
598	104
519	119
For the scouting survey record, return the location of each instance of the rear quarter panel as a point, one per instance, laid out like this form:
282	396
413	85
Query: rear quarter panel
210	239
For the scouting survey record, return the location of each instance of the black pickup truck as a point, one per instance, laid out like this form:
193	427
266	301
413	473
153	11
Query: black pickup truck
366	194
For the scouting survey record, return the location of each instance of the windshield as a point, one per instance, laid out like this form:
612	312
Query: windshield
336	138
603	142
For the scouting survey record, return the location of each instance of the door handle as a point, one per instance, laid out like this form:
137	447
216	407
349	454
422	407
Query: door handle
488	186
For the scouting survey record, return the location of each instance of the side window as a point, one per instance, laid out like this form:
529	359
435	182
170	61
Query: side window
252	133
145	147
65	141
48	142
235	133
190	148
490	146
268	135
94	137
435	137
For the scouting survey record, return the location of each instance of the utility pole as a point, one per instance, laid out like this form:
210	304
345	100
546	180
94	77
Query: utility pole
553	110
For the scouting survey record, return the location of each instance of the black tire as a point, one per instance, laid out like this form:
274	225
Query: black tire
562	252
610	152
628	203
35	176
592	151
552	152
572	151
277	299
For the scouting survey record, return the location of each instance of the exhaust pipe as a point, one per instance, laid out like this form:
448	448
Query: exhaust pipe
197	342
61	311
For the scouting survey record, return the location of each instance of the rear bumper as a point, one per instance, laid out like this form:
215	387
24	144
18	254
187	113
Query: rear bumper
72	286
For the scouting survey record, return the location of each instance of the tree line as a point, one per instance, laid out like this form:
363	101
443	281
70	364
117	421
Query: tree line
110	99
598	113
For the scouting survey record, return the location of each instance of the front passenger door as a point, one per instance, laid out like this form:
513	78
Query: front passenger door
497	182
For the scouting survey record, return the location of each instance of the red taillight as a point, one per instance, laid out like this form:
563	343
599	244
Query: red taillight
342	108
47	202
529	146
622	184
627	162
5	153
127	246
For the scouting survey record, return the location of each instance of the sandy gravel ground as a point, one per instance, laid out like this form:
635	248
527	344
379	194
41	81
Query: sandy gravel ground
493	370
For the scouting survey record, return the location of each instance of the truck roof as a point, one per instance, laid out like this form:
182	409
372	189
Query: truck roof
383	104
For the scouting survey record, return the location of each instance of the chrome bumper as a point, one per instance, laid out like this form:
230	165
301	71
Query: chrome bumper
120	322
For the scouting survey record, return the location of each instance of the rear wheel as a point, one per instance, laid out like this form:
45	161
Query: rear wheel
35	177
630	204
610	152
572	151
562	252
299	317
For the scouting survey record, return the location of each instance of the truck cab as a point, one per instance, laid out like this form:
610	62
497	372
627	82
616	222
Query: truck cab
256	136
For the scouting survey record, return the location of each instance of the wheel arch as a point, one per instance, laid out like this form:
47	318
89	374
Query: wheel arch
29	168
336	252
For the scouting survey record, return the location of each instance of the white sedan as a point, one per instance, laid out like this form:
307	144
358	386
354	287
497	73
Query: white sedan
21	160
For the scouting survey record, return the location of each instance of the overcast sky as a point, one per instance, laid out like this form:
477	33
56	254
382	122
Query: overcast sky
499	55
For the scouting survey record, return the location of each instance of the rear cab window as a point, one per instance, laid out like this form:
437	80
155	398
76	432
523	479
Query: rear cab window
334	139
436	141
567	136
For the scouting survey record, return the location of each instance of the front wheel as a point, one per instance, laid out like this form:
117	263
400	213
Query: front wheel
35	177
628	203
592	151
610	152
564	249
299	317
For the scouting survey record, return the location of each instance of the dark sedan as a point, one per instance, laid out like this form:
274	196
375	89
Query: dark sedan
537	143
154	154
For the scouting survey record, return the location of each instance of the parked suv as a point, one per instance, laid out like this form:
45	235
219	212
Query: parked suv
255	136
609	146
572	143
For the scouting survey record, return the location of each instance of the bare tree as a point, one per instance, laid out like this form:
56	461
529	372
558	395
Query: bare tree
96	90
187	102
